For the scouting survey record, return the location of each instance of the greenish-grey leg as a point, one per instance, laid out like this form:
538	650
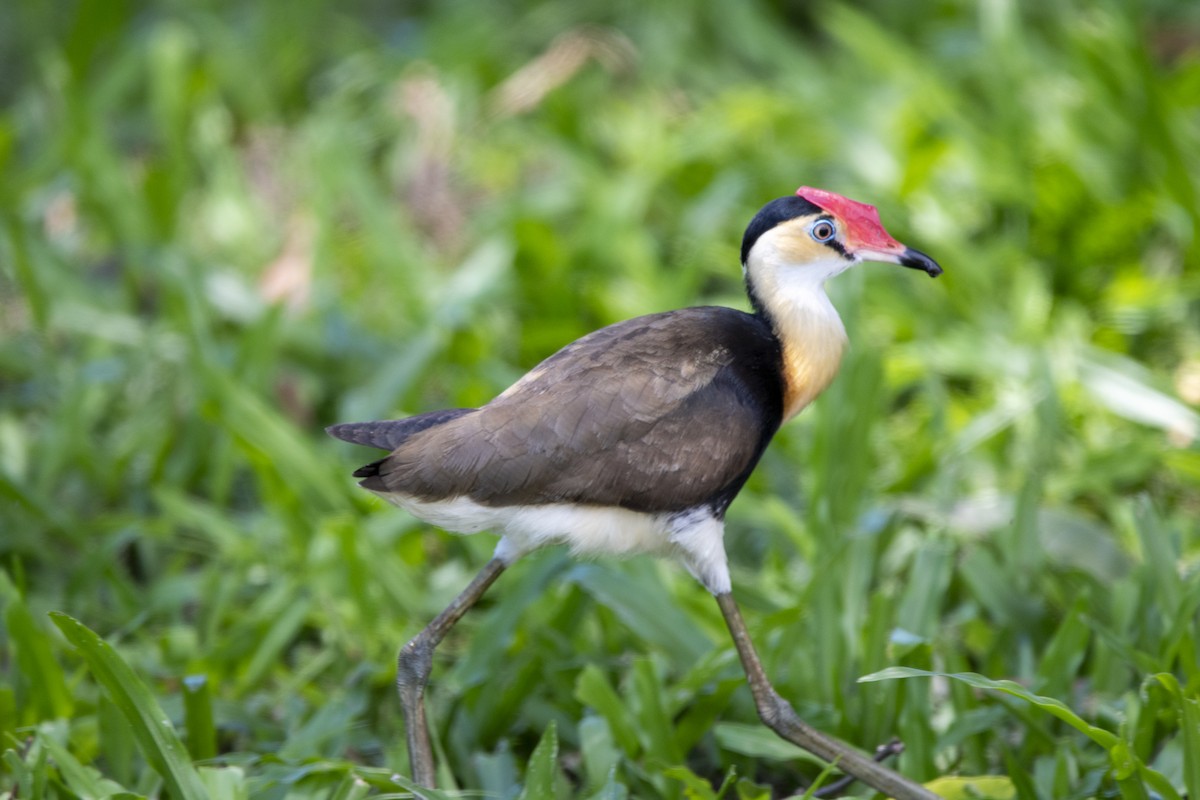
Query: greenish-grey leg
779	716
415	663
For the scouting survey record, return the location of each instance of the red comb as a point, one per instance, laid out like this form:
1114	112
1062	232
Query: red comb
863	227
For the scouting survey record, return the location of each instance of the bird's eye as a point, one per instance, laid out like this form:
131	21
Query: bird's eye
822	230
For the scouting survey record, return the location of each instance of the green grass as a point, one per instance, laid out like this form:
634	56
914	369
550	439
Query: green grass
224	226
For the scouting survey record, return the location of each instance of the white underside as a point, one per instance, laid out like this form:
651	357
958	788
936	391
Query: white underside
695	537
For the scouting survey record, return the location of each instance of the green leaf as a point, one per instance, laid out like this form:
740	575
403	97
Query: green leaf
984	787
85	781
227	783
20	772
1020	774
730	781
1189	724
636	595
543	765
657	733
118	747
611	790
332	719
47	687
759	742
351	788
701	714
599	751
819	781
1125	772
25	261
198	717
155	735
1105	739
928	579
283	629
498	771
749	790
269	439
1125	762
422	792
593	689
694	787
1062	657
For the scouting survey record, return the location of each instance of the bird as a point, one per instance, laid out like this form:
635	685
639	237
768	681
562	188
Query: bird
637	437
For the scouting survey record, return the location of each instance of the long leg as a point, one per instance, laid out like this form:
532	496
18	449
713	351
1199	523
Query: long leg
415	662
779	716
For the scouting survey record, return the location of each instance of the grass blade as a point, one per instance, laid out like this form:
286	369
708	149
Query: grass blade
593	689
641	602
759	742
198	717
420	791
960	787
1125	772
600	754
275	640
539	777
1063	656
227	783
1189	723
1104	738
694	787
117	745
20	774
47	686
1128	769
155	735
85	781
652	718
351	788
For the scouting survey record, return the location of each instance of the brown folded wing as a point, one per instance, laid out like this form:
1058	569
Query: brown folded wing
661	413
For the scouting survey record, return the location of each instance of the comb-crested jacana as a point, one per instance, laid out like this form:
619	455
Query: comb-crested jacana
637	437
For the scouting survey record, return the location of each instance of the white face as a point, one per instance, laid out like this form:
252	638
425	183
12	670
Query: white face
806	251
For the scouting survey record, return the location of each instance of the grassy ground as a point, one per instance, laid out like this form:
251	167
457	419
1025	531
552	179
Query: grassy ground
227	225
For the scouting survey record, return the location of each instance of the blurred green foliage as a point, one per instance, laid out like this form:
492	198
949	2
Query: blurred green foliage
225	225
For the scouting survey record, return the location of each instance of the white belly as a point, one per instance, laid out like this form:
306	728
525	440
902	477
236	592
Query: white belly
694	536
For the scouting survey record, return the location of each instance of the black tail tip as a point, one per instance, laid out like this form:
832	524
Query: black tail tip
368	470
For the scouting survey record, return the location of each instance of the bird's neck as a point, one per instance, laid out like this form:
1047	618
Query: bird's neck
810	331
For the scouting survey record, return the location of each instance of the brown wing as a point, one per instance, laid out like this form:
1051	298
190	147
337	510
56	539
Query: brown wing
660	413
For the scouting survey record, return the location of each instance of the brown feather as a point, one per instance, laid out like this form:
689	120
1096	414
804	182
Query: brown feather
661	413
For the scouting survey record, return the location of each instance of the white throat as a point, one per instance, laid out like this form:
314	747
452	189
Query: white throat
808	326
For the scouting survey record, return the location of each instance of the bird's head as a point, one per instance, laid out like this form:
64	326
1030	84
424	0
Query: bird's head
808	238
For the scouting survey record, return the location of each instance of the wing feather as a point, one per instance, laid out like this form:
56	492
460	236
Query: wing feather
389	434
661	413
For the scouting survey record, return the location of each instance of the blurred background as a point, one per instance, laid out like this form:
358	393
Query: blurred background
226	225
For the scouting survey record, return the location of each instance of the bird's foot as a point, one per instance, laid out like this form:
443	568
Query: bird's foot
778	715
